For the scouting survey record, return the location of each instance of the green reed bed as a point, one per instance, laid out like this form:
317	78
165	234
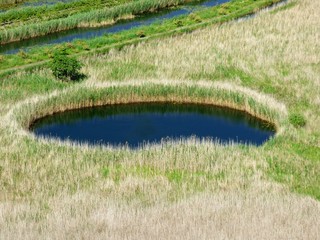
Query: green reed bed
32	14
79	97
91	18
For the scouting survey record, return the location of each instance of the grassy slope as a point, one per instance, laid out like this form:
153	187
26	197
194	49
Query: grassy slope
188	189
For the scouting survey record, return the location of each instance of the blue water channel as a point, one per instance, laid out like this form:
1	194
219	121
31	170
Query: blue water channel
134	125
88	33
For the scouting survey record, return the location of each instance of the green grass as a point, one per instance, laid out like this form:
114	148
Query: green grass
297	120
34	84
300	170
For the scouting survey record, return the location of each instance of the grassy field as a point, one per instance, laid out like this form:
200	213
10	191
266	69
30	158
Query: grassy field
217	15
268	66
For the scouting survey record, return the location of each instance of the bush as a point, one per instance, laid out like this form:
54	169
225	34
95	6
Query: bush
141	34
297	120
65	67
22	54
178	23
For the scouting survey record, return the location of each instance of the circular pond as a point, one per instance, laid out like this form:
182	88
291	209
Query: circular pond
136	124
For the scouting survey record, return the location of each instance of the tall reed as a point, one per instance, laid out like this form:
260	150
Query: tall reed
16	16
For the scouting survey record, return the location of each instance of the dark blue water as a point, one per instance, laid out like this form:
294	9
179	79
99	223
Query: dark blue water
136	124
87	33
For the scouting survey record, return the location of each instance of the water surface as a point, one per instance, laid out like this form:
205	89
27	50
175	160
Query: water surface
136	124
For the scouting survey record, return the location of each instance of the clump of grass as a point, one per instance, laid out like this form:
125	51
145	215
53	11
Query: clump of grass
141	34
195	17
297	120
178	23
22	54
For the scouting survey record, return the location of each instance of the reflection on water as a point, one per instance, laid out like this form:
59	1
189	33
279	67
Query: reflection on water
134	124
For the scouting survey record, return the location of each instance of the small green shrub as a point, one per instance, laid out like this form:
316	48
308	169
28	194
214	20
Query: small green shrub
297	120
105	172
195	18
175	176
222	11
86	47
178	23
65	67
22	54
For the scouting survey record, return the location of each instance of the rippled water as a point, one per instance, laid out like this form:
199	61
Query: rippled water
135	124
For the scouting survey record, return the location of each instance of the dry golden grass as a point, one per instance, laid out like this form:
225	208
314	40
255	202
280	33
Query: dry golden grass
226	215
53	190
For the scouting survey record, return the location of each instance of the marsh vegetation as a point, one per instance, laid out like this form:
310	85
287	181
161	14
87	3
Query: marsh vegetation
267	65
128	35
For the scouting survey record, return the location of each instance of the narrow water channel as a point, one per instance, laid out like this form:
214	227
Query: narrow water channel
136	124
87	33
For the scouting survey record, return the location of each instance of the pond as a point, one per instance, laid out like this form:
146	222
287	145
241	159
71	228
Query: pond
88	33
136	124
